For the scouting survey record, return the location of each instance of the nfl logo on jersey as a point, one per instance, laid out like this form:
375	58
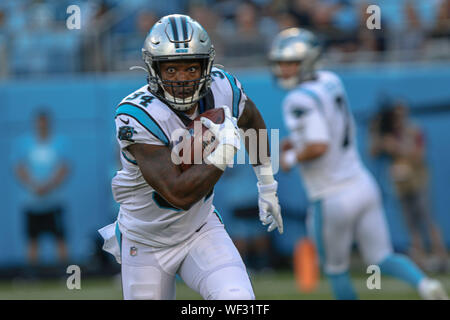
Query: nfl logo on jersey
133	251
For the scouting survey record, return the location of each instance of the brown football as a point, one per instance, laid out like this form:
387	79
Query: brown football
205	140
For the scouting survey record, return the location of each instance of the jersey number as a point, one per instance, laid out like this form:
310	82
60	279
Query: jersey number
217	74
342	106
145	100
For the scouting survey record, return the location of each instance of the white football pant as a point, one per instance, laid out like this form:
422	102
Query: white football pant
208	262
355	213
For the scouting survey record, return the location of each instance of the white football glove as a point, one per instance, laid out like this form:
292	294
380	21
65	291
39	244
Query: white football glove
228	138
269	208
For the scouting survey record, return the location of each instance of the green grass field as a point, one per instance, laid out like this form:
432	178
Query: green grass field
274	286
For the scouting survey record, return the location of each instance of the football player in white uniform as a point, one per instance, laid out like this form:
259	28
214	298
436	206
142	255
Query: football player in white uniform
345	200
167	223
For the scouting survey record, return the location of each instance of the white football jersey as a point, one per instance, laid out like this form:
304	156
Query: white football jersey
144	215
318	111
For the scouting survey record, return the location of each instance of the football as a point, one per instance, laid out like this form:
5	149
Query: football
206	139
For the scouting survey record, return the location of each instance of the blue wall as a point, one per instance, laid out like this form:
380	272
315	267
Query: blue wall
83	109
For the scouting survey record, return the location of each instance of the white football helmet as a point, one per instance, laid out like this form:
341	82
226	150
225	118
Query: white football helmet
178	37
296	45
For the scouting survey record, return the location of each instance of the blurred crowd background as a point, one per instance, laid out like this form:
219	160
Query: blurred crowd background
34	38
75	78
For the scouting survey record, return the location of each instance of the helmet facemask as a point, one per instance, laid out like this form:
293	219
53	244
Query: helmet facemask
295	45
178	38
181	95
290	82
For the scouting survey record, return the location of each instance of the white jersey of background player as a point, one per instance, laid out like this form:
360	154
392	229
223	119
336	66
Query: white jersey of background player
316	112
167	223
345	200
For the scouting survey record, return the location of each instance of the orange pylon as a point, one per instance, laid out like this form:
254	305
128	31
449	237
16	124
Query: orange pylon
306	266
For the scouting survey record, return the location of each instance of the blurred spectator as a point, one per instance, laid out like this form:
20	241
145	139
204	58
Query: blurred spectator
95	38
323	16
438	44
345	16
207	17
43	45
145	21
3	45
130	44
279	5
239	29
442	24
41	167
226	8
211	21
410	39
286	20
397	137
303	10
370	40
245	40
35	36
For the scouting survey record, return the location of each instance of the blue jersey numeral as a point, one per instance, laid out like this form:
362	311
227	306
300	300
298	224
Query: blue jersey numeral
145	100
134	96
217	74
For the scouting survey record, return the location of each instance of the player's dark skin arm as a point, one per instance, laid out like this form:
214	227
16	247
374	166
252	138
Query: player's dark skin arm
251	119
180	189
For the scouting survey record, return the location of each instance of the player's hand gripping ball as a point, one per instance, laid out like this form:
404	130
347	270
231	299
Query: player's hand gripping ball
204	140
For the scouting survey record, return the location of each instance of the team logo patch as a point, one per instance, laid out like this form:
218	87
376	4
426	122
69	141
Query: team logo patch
126	133
133	251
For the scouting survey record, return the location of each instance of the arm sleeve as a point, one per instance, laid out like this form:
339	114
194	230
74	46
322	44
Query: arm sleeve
239	96
243	98
304	120
129	131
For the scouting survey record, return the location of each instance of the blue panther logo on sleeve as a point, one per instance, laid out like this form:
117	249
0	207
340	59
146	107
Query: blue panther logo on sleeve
126	133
